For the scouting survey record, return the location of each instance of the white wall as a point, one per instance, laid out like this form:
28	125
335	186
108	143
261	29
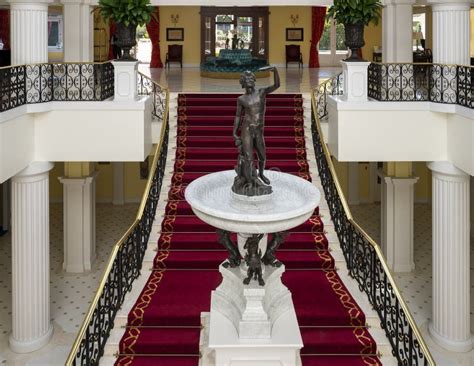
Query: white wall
401	131
68	131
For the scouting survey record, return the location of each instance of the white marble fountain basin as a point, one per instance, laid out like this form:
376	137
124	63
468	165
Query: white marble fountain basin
292	202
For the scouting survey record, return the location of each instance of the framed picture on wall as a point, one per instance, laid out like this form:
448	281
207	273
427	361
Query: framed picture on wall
175	34
294	34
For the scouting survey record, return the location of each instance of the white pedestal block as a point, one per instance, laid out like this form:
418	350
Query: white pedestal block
251	324
355	81
397	222
31	321
251	308
126	76
79	223
450	326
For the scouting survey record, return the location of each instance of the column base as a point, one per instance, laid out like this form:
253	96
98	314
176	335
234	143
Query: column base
454	346
31	346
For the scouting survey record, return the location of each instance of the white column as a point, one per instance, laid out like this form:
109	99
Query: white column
353	183
31	324
451	32
6	209
450	326
79	223
397	222
118	169
29	31
78	31
397	20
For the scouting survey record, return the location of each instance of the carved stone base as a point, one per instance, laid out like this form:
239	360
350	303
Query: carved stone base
251	308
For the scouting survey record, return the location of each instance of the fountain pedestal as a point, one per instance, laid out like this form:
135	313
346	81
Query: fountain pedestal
252	323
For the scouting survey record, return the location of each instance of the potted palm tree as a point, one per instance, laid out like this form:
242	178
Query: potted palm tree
355	15
127	14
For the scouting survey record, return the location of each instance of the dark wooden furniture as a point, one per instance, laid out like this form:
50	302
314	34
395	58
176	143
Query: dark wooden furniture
293	54
5	57
377	56
174	54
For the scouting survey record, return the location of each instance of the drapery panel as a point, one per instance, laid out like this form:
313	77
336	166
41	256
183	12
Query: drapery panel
153	29
317	28
5	27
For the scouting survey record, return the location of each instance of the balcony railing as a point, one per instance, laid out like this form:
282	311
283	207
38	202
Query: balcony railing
399	82
125	261
364	258
48	82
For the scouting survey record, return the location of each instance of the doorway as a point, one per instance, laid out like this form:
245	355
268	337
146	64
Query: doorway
220	26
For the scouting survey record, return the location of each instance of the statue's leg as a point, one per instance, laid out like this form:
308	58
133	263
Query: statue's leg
261	282
234	256
249	277
247	151
262	157
269	257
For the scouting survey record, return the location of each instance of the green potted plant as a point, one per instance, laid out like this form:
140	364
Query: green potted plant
355	15
127	14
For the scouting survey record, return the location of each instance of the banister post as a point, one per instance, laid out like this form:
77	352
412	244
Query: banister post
126	75
355	81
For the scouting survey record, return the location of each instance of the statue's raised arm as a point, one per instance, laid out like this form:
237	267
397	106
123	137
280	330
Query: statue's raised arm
276	80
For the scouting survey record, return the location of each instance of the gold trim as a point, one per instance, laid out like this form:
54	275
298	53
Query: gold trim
95	301
58	63
419	64
372	242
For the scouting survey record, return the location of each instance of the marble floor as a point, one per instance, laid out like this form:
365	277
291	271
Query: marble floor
71	294
293	80
416	286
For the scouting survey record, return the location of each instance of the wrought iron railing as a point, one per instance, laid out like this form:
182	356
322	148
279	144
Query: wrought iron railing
65	82
332	86
448	84
125	261
365	261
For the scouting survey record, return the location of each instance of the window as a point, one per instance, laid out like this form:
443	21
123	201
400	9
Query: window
55	31
419	30
331	45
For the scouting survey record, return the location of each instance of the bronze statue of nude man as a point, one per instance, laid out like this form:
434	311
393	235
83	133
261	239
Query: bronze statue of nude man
250	119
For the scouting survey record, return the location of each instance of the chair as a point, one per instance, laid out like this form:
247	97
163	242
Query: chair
293	54
174	54
429	55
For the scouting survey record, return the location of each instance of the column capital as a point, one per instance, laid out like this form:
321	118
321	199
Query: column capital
397	181
34	169
440	5
398	2
30	3
76	2
447	168
79	181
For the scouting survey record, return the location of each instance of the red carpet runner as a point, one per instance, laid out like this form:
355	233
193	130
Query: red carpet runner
164	324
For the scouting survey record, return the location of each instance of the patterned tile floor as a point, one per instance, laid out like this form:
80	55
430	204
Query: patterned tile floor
416	286
71	294
293	80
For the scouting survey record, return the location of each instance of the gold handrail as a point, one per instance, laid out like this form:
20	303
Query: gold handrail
420	63
369	239
57	63
121	241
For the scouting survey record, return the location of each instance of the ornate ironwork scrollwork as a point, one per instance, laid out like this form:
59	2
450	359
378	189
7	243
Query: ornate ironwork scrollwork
64	82
448	84
363	261
126	260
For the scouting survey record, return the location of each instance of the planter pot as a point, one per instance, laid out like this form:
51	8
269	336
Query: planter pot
126	39
354	40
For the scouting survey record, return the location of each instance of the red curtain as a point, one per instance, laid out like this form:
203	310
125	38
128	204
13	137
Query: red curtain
112	31
5	27
153	29
317	27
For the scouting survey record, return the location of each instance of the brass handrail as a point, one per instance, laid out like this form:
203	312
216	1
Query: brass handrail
419	63
369	239
121	241
58	63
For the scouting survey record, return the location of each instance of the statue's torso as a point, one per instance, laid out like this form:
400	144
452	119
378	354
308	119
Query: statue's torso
254	110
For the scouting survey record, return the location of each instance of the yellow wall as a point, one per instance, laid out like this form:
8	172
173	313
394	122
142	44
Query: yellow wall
56	56
190	20
101	38
279	20
372	37
342	175
104	183
133	185
423	186
55	186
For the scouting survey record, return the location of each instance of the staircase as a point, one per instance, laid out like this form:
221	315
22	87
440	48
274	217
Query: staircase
160	322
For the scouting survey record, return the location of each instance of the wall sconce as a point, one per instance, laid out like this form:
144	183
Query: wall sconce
294	19
174	19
